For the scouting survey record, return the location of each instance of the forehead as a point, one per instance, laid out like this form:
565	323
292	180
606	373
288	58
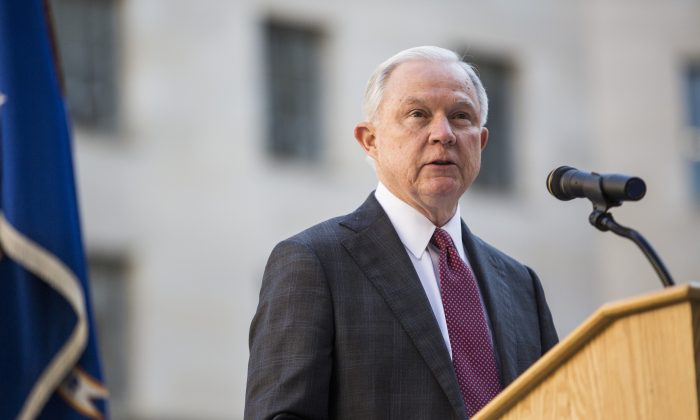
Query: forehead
429	79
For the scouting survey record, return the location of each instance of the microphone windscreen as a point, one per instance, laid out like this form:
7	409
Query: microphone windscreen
554	183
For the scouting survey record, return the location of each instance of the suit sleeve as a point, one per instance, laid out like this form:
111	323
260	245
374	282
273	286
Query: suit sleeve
548	334
291	339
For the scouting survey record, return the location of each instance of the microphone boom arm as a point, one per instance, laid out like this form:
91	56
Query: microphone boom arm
604	221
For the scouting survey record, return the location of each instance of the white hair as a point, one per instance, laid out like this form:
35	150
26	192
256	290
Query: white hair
375	86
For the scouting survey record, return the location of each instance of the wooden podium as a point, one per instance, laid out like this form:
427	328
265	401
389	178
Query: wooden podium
633	359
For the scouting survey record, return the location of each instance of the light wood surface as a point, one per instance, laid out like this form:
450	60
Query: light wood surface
633	359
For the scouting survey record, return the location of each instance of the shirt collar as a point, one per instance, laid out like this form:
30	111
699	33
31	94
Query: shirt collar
414	229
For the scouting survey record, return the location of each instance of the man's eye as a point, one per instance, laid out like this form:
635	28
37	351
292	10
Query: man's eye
417	113
462	116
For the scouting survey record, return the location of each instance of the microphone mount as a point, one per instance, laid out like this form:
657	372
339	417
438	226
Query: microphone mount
603	220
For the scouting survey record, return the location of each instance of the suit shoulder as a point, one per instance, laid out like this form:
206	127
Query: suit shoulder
328	233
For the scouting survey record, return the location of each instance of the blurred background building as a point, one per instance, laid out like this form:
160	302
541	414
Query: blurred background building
207	131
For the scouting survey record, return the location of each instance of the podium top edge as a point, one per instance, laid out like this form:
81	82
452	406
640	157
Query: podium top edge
593	325
667	296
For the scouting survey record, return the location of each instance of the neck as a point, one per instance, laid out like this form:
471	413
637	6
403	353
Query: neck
439	216
439	210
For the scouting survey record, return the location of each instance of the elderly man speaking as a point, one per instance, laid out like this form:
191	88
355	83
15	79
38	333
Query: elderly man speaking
398	311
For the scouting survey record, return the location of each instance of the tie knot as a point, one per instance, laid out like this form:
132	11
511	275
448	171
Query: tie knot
441	239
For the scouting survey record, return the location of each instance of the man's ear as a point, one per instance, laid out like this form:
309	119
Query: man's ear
365	136
484	137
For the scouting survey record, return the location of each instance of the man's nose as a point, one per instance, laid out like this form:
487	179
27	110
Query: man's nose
441	131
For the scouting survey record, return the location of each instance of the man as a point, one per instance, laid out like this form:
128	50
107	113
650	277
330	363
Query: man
377	314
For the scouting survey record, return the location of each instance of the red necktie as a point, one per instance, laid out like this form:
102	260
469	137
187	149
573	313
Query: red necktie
472	351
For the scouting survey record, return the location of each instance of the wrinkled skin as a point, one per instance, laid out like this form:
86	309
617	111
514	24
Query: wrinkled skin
426	138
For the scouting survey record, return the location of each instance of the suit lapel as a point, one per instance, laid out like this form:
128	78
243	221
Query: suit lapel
378	251
496	293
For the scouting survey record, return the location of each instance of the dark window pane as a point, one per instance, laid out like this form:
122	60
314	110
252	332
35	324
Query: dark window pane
695	180
693	83
497	159
86	40
110	306
693	95
292	56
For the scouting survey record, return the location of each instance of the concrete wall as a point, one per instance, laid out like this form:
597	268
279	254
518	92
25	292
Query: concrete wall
186	191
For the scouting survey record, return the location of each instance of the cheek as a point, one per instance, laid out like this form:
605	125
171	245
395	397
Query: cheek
472	152
393	149
400	151
475	157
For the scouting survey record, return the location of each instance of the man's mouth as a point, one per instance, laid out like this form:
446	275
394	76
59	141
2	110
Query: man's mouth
442	162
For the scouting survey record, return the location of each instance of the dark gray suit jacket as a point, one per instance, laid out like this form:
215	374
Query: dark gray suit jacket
344	329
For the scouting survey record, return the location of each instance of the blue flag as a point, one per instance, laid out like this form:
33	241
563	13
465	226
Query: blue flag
49	364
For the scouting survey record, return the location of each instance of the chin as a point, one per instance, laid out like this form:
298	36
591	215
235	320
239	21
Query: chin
442	189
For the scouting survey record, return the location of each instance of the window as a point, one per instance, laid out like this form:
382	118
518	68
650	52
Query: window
497	159
693	95
107	276
86	40
293	86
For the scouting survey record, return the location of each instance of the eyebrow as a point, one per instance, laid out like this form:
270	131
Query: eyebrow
413	100
465	103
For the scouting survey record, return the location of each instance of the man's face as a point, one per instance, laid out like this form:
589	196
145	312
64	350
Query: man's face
426	138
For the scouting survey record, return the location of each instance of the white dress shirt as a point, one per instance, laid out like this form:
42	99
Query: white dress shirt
415	231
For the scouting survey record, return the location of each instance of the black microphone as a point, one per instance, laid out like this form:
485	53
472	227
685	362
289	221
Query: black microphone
566	183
